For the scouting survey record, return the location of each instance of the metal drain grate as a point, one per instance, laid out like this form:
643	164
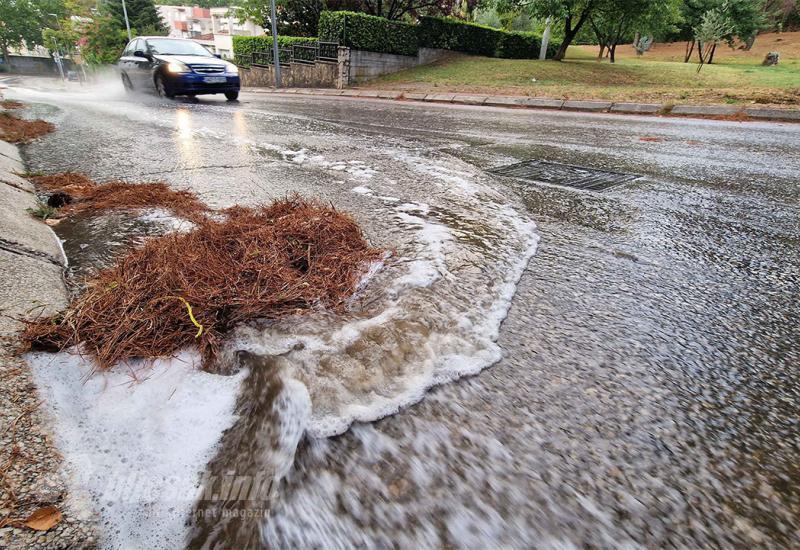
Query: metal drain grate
567	175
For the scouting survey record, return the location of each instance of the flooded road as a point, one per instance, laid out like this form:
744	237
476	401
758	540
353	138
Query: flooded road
551	367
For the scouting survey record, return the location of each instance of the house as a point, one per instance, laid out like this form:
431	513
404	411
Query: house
211	27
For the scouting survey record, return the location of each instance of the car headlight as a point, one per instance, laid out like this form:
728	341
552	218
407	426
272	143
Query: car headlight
177	67
232	68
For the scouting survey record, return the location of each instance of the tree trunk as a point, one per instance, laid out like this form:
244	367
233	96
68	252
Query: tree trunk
613	51
570	33
689	50
6	56
602	50
711	55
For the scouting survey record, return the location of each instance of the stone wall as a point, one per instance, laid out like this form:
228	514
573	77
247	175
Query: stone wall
366	65
352	67
32	65
296	75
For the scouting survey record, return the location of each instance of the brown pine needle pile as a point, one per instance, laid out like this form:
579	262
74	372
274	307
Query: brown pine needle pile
120	195
11	104
19	130
189	289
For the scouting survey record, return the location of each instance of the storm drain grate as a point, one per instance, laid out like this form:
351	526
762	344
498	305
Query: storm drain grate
567	175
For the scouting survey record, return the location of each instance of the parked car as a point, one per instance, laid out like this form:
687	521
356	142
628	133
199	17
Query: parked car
174	66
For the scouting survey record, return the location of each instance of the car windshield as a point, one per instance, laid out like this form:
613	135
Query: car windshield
164	46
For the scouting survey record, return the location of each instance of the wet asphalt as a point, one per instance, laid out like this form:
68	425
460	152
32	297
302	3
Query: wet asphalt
649	391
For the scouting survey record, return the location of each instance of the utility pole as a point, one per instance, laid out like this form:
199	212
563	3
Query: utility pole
276	61
127	23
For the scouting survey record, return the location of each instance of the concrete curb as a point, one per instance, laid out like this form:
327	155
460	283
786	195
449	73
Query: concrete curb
592	106
30	253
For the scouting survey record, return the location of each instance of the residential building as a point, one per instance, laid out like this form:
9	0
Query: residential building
211	27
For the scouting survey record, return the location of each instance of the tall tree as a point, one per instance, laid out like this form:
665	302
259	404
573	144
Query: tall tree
614	22
142	15
573	13
22	21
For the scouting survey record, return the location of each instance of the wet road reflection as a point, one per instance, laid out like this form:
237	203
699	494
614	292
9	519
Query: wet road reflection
648	391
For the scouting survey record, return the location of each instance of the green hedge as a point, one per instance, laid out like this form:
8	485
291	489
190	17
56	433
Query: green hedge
243	46
460	36
376	34
367	32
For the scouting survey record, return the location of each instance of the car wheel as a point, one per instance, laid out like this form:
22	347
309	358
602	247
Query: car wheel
232	96
162	89
126	83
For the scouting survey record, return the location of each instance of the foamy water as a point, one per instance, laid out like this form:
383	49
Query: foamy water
136	440
427	315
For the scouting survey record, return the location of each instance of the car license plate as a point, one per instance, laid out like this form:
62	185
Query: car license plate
214	79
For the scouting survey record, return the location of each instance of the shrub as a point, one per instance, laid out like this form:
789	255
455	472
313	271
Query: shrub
244	46
519	45
451	34
367	32
461	36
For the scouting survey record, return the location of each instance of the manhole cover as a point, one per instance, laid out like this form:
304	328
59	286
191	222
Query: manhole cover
567	175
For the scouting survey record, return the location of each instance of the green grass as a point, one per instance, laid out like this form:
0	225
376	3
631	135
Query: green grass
42	211
736	79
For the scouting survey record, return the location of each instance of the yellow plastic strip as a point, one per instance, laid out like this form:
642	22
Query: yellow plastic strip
191	316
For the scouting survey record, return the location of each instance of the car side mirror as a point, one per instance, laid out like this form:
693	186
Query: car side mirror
218	56
140	53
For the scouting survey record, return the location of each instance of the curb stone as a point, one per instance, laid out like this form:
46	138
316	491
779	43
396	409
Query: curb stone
705	110
440	98
641	108
543	103
773	114
596	106
32	284
470	99
506	101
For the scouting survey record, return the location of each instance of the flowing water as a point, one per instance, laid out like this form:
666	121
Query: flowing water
650	334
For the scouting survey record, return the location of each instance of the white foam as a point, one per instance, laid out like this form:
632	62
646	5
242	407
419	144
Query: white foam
136	448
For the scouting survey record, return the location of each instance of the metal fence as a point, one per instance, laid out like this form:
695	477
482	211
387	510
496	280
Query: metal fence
309	53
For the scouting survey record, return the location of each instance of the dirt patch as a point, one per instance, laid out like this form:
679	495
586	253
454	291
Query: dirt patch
87	195
18	130
189	289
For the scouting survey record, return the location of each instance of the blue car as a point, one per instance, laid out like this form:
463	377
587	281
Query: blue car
174	66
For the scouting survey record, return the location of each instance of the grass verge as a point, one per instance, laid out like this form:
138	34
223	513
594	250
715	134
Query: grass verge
658	76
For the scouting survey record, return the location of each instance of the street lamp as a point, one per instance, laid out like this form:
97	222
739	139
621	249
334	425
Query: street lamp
127	23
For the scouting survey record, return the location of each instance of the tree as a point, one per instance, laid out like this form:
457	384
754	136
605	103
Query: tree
714	26
294	17
574	14
615	21
142	15
105	40
22	21
746	18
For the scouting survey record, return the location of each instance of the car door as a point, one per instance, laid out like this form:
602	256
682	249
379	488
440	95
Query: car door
127	65
143	64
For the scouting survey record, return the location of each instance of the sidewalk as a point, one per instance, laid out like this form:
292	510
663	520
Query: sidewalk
734	112
33	477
